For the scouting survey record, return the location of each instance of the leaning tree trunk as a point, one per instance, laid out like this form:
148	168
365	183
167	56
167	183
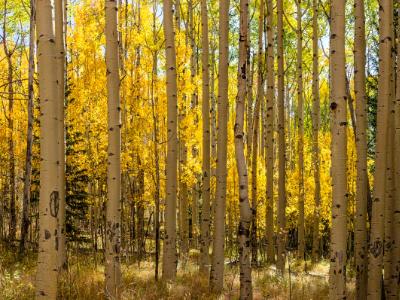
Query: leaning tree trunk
315	129
47	269
282	149
29	135
270	134
360	232
113	205
217	264
300	104
60	58
338	109
375	254
169	257
205	215
245	210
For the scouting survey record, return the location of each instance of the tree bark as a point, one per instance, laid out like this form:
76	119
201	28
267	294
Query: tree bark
338	109
47	269
396	216
113	204
244	205
281	144
29	134
205	215
270	133
10	120
60	58
360	243
300	124
375	253
169	257
315	128
217	264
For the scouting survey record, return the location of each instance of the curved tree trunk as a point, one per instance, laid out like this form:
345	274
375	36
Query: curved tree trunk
245	210
360	243
217	263
47	269
113	205
169	257
338	108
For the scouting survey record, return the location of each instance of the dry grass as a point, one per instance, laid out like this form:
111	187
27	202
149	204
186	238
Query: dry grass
84	280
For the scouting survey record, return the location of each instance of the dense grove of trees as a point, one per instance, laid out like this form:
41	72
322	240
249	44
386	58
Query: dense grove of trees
232	132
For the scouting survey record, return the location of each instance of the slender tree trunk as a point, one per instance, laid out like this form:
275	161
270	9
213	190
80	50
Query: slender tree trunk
29	135
169	257
60	58
245	210
396	216
360	243
270	133
315	128
338	108
282	149
11	153
113	204
300	104
388	259
47	269
154	99
255	129
217	265
205	215
375	254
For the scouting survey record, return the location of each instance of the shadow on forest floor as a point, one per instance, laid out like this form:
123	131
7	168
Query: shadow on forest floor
84	280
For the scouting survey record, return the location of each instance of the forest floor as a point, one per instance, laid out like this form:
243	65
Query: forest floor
84	280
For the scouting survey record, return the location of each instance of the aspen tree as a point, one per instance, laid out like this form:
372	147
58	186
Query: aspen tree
375	254
29	135
360	233
244	205
60	58
270	133
315	129
396	216
154	103
338	108
113	205
389	206
281	145
300	104
217	262
47	268
169	257
256	125
10	120
205	215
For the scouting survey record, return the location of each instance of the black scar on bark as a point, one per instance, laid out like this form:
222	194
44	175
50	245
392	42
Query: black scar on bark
54	203
47	234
